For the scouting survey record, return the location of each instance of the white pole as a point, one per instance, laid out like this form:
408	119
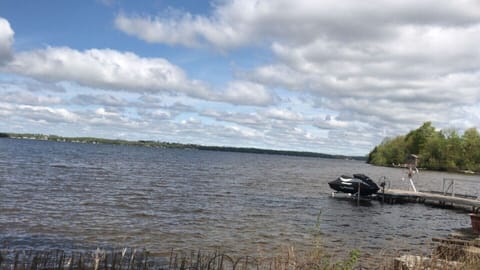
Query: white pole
358	194
410	176
411	183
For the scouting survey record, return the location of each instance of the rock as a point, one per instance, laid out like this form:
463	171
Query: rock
411	262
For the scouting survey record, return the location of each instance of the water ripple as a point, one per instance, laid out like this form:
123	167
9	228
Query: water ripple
83	196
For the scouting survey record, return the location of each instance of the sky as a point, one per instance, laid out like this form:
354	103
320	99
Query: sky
330	76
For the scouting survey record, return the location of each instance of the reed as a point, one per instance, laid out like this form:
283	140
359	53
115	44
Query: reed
133	259
126	259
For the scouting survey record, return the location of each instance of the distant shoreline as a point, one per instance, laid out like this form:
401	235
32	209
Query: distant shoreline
158	144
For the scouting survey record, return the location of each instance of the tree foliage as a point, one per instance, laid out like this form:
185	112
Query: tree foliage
438	150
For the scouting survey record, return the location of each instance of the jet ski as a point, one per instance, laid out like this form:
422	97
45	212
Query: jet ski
349	184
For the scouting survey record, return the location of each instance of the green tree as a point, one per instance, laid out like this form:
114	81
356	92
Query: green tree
471	149
438	150
453	150
416	139
379	156
433	152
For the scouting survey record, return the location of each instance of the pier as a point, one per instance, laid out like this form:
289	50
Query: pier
447	197
402	196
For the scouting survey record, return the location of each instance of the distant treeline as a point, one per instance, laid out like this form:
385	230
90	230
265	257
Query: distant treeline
444	150
276	152
159	144
93	140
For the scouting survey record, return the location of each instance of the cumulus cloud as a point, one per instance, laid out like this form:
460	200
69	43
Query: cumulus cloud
125	71
341	49
395	81
245	119
247	93
329	123
106	68
157	114
46	114
377	61
243	22
282	114
340	73
28	98
6	41
104	99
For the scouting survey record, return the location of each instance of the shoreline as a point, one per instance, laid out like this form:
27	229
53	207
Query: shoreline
159	144
445	253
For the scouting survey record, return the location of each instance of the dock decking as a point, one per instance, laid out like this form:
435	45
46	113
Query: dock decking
400	196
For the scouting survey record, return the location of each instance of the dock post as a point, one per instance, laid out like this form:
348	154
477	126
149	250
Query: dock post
383	197
412	170
358	195
411	183
453	188
382	185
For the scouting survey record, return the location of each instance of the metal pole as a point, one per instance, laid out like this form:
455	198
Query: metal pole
358	194
453	188
411	183
443	187
383	191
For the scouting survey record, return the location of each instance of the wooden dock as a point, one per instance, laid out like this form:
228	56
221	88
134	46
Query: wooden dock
402	196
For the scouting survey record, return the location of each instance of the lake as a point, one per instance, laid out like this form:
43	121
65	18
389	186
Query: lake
84	196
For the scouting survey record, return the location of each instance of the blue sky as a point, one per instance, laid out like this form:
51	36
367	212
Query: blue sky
325	76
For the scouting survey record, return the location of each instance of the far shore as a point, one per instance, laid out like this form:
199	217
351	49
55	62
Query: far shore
158	144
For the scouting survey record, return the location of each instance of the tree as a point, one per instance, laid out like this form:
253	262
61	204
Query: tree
438	150
433	153
416	139
453	150
377	156
471	149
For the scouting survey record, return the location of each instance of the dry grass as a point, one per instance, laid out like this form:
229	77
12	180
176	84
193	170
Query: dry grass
128	259
125	259
316	259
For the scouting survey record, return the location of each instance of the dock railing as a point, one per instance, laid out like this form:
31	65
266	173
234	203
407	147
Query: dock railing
449	187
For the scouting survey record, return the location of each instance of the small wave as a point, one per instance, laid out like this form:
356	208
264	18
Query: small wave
74	166
178	210
7	210
60	165
143	215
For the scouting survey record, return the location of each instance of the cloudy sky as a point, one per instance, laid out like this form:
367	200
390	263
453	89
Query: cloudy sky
324	76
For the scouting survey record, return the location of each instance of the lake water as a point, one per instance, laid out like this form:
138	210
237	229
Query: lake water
83	196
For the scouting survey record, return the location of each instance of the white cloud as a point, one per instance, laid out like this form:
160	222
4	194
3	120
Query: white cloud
108	69
28	98
160	114
6	41
102	112
247	93
361	59
6	109
104	99
244	22
47	114
252	119
339	75
124	71
415	71
187	31
282	114
330	123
